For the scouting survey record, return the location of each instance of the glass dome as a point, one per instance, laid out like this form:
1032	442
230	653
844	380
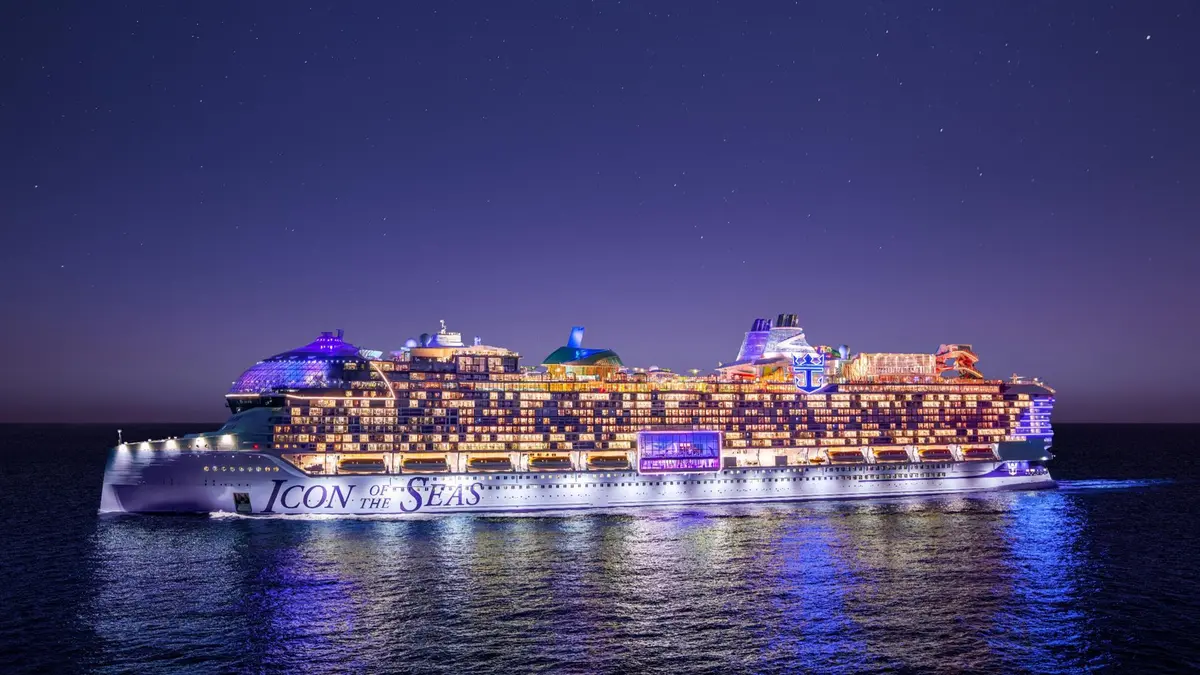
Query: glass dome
317	365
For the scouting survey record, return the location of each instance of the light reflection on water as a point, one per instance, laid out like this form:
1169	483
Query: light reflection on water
984	582
1111	484
1046	566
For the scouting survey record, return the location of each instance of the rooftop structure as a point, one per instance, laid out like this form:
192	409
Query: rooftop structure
318	364
573	359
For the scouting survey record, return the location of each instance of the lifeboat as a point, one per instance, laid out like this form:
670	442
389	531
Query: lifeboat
362	465
816	460
315	467
891	455
425	465
550	464
978	454
936	455
608	462
489	464
845	456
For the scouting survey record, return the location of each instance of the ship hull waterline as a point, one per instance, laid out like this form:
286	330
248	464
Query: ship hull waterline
263	484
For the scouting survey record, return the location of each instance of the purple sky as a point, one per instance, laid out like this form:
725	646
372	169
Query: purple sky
185	193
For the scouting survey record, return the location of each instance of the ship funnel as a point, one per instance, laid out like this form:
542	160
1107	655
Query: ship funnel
341	333
576	339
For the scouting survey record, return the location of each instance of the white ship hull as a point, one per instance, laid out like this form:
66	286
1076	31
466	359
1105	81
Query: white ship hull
167	481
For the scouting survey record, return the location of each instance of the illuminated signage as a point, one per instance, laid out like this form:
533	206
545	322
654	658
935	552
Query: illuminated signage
892	365
418	493
808	372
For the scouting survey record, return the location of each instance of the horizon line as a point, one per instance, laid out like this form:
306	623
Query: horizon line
219	423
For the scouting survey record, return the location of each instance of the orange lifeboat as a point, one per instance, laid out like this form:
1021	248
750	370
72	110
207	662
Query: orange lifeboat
845	456
435	464
362	465
489	464
936	455
978	454
610	462
550	464
891	455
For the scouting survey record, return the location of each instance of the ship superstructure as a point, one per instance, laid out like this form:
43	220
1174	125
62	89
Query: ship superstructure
470	418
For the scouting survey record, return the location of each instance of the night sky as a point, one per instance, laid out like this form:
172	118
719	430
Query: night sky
189	187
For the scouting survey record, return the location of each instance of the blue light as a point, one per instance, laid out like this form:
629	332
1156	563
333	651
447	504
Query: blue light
1035	421
299	372
576	339
808	372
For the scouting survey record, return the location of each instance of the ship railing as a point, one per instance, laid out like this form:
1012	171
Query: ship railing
524	462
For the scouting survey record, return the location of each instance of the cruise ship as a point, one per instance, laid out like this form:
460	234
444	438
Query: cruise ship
440	427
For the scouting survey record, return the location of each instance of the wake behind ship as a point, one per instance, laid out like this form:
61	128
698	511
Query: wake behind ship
439	426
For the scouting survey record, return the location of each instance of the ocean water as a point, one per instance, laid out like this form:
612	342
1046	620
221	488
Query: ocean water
1098	575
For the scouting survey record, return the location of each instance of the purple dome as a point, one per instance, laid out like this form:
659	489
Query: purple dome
317	365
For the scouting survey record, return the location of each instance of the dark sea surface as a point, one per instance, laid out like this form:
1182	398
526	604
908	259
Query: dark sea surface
1098	575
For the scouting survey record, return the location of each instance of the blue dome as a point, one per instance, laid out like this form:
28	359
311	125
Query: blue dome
317	365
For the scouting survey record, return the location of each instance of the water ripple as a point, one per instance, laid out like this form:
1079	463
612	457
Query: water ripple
1096	575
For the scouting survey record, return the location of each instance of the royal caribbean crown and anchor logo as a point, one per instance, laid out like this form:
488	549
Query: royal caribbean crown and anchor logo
808	372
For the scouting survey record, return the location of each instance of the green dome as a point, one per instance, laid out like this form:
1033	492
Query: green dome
578	356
